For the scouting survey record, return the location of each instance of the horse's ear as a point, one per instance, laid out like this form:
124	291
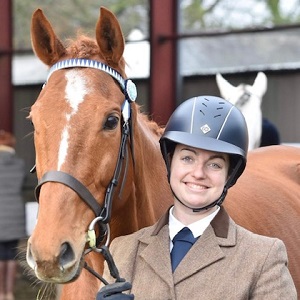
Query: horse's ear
226	89
109	37
260	84
47	47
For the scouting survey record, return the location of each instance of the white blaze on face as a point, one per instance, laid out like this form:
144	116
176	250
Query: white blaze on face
76	90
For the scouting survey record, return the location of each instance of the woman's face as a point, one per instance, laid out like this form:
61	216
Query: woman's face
198	176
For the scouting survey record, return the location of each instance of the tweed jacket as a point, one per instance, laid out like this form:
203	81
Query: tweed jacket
12	206
227	262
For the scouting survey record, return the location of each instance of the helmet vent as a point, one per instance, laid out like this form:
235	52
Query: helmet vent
216	116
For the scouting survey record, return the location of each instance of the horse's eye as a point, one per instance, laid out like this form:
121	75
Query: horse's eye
111	122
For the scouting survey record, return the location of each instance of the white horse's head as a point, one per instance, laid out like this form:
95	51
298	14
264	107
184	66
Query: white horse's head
248	99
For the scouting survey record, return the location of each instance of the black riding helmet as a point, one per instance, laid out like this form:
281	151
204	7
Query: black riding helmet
210	123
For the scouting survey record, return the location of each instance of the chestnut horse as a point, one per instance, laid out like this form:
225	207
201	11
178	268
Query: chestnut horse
92	144
266	199
89	142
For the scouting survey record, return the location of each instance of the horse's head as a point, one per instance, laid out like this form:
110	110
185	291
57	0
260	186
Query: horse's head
248	99
79	122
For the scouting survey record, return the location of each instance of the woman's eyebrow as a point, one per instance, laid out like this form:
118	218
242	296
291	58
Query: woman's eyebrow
189	149
213	156
218	156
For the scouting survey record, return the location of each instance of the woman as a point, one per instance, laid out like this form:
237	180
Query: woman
204	146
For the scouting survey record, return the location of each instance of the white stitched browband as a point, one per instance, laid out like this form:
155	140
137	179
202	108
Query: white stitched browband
127	85
87	63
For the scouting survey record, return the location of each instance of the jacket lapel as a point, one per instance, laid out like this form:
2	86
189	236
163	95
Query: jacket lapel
204	252
156	253
208	249
155	248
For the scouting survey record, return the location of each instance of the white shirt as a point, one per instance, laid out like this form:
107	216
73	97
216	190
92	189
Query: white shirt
197	227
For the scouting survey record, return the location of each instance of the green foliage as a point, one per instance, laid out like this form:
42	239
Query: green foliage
68	16
199	15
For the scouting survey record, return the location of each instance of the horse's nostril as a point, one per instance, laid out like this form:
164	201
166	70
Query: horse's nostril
66	254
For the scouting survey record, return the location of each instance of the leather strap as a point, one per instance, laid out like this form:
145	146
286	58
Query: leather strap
74	184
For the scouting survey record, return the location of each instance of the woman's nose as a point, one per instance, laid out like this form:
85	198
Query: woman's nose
198	171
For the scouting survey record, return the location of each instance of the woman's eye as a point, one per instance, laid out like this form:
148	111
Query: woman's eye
187	159
111	122
215	165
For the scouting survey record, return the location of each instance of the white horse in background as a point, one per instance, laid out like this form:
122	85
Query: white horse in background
248	99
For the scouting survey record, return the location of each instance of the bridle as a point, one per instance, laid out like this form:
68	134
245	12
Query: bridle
244	98
102	213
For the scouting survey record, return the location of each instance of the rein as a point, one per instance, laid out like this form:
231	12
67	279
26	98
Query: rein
103	214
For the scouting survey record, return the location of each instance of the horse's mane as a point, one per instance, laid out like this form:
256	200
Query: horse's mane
82	47
151	124
86	47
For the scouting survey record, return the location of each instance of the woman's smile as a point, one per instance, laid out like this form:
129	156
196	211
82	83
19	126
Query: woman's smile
195	186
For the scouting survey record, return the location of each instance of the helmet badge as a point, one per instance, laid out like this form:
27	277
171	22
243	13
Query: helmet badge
205	128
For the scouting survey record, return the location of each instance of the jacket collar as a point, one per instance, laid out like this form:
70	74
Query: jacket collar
220	223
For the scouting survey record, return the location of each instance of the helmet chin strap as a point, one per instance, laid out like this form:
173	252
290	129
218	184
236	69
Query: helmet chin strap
218	202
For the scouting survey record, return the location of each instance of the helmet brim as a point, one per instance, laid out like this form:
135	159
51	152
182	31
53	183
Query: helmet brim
206	143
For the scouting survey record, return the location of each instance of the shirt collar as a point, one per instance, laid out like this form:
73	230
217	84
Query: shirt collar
197	227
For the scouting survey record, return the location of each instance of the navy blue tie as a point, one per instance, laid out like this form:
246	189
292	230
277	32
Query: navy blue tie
182	242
